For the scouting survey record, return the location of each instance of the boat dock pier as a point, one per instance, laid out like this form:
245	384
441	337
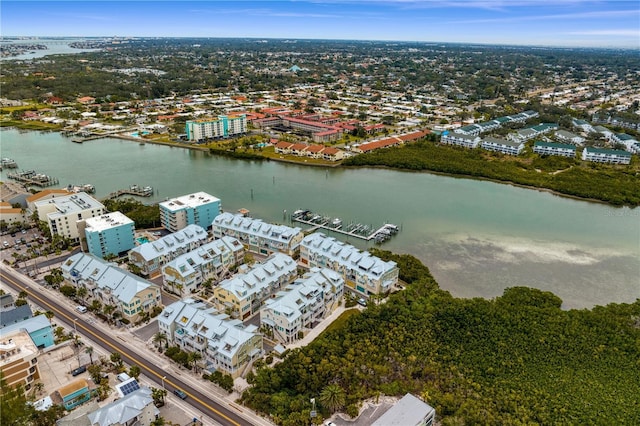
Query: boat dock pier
356	230
8	163
135	190
31	177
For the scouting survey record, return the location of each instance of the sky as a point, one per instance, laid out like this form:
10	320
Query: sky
571	23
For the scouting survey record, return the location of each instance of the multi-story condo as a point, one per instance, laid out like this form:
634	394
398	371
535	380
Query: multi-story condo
612	156
460	139
362	272
257	236
64	214
226	344
150	257
550	148
583	125
213	128
110	285
242	295
630	143
502	145
109	234
39	328
199	208
302	304
18	359
45	194
209	261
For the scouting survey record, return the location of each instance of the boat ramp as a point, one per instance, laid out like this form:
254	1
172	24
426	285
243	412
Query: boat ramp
352	229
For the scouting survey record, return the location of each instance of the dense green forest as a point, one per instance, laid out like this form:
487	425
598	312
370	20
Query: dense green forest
518	359
144	216
617	185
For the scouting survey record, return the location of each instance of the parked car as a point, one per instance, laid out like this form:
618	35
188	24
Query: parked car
81	309
362	302
79	370
180	394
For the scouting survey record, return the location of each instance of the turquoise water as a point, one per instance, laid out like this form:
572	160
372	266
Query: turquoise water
476	237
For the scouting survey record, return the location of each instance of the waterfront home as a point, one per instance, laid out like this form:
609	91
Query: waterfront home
64	214
212	260
502	145
109	234
257	236
460	139
110	285
362	272
45	194
242	295
198	208
558	149
611	156
152	255
226	344
302	304
215	128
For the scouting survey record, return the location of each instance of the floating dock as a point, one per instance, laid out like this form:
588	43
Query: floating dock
356	230
31	177
135	190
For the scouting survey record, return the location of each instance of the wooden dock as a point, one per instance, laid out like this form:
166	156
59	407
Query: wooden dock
356	230
136	191
31	177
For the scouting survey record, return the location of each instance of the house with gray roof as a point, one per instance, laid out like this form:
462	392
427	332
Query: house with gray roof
212	260
362	272
409	411
226	344
150	257
301	305
136	408
110	285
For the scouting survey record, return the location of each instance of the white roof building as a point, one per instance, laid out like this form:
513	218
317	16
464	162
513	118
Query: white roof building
151	256
256	235
62	214
361	271
409	411
211	260
111	285
134	408
226	344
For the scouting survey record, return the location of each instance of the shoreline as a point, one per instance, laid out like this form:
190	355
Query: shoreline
301	163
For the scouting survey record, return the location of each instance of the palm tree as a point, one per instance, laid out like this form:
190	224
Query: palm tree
89	350
193	359
159	337
332	397
82	293
108	310
49	315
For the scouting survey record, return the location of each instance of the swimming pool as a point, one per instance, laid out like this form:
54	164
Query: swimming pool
142	240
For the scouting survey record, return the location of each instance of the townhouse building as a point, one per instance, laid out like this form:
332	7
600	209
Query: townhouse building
198	208
601	155
361	272
66	214
257	236
459	139
215	128
470	130
212	260
18	359
110	285
150	257
558	149
502	145
302	304
630	143
564	136
226	344
109	234
583	125
241	296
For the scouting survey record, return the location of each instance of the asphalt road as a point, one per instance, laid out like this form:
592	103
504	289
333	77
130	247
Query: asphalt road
216	411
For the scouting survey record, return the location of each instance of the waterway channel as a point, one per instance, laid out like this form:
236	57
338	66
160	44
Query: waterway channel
477	237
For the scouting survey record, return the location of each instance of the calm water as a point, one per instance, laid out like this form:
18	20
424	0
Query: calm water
476	237
54	47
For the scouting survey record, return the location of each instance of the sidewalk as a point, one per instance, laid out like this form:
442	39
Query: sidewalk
147	350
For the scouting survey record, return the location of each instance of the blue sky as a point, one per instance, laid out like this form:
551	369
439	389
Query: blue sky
590	23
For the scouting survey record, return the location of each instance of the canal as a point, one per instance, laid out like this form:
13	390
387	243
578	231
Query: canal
477	237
